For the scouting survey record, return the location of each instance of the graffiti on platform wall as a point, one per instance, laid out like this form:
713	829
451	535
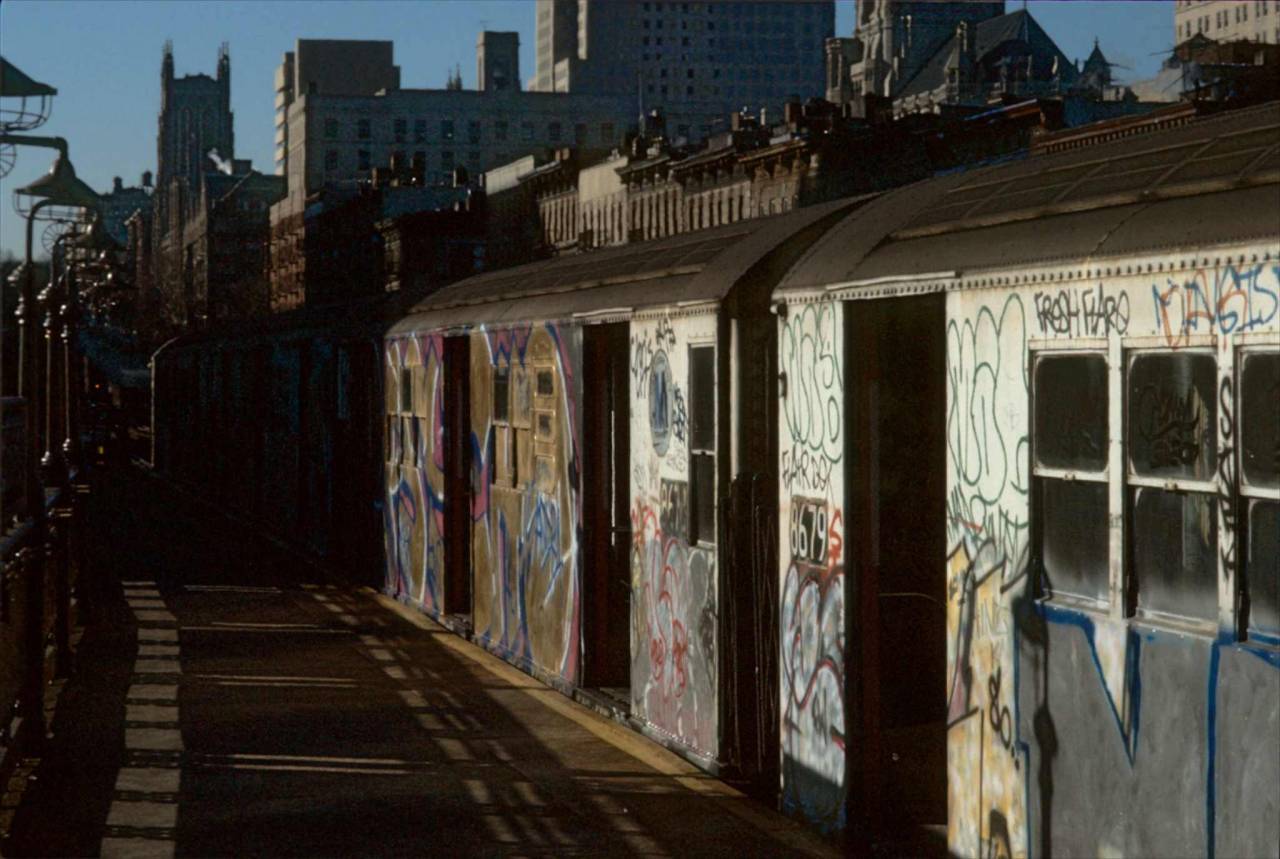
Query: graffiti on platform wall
812	632
674	602
526	509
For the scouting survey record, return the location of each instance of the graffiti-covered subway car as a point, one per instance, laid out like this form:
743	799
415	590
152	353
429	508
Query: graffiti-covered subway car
561	441
1044	396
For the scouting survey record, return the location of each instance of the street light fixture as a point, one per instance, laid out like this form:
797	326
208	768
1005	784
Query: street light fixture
24	104
57	196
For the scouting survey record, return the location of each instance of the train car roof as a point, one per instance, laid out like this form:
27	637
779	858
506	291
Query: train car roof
1210	181
681	270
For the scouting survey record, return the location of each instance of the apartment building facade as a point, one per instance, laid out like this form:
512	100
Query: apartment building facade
1228	20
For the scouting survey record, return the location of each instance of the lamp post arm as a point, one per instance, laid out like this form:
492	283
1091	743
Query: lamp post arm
58	143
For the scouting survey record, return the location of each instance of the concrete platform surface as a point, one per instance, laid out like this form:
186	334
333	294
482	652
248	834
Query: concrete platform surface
254	709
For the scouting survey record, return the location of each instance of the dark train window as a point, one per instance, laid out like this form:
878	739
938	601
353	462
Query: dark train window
1070	467
1074	542
1171	415
1263	570
1071	416
1258	409
702	401
546	383
1172	443
1260	419
1175	552
406	390
501	393
702	443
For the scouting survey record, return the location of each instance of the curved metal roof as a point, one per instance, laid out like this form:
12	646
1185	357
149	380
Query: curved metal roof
1211	181
690	268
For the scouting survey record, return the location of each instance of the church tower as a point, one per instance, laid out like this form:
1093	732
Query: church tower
195	118
898	38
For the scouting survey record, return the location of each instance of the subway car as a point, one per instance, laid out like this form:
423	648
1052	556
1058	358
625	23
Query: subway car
957	504
950	512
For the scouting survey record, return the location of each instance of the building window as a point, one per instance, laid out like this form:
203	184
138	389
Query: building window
473	131
580	134
500	130
363	130
331	160
702	444
553	132
401	128
606	132
1260	490
528	130
331	129
419	131
446	160
446	129
1070	468
362	159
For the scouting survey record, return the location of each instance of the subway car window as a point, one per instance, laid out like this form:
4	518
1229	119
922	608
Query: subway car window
1070	449
1172	445
1172	409
702	442
1259	411
1071	412
406	390
1175	557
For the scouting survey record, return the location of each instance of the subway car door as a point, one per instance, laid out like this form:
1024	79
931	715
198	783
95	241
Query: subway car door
606	452
457	486
897	494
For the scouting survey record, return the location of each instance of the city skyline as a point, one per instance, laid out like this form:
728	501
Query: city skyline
108	111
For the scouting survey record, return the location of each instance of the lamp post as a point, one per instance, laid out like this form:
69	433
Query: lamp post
97	250
58	195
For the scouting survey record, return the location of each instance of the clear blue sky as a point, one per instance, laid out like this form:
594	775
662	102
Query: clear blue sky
104	58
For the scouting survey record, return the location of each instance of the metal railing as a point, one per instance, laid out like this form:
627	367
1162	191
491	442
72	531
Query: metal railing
13	460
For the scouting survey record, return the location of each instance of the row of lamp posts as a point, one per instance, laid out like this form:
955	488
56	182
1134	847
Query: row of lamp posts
46	376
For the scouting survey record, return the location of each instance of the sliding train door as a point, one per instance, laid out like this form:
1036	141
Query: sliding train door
457	487
606	570
897	497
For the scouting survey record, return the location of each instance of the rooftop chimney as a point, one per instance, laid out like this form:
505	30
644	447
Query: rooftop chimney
117	184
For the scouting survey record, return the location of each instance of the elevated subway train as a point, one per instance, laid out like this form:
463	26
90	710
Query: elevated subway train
958	503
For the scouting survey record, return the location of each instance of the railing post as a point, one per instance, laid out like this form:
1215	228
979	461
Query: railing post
61	539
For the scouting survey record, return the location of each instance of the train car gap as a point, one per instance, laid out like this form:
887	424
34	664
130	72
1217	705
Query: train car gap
606	573
457	488
898	493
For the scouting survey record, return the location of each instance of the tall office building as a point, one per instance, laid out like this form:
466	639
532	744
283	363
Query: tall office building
1227	20
696	61
329	67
